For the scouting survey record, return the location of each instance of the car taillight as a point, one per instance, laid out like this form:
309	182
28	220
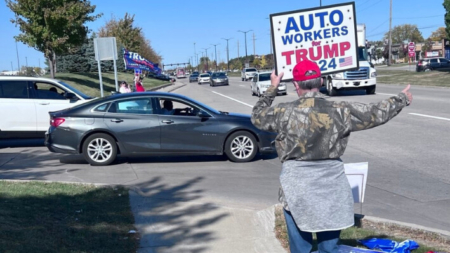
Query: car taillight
56	122
420	63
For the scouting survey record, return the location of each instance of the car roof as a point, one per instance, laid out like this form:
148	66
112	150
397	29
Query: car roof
28	78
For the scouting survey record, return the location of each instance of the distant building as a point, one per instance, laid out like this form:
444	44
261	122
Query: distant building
9	73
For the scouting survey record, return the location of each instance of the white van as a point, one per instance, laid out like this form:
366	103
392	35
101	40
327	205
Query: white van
26	101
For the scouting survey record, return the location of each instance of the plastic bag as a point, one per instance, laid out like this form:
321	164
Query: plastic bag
387	245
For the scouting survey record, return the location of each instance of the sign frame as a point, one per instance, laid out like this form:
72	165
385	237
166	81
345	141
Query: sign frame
274	41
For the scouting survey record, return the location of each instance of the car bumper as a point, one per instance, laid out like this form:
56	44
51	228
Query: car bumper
267	142
54	138
220	83
344	84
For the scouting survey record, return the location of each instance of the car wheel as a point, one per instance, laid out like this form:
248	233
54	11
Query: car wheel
258	93
330	89
242	79
199	83
99	149
370	89
427	70
241	147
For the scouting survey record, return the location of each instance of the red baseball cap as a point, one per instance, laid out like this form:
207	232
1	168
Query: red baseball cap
302	68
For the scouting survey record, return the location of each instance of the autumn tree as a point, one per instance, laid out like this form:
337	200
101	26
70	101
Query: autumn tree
52	26
129	36
439	34
447	17
263	61
405	32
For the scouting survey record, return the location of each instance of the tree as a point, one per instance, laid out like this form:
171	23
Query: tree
256	62
447	17
52	26
439	34
405	32
263	62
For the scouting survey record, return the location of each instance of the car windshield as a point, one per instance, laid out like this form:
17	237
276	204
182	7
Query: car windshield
362	54
72	89
204	75
264	77
250	70
194	75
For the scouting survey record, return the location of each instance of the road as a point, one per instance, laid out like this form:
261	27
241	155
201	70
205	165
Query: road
408	160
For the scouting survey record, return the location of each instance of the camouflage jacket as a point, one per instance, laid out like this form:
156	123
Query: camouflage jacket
313	128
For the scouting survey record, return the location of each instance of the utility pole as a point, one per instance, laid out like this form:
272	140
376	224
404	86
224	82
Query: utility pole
228	54
245	35
195	51
206	54
238	47
390	35
320	3
215	53
26	62
18	64
12	70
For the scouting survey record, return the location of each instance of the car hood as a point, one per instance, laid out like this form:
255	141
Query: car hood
239	115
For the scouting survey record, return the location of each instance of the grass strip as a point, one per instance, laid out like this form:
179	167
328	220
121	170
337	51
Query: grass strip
56	217
89	84
431	78
365	230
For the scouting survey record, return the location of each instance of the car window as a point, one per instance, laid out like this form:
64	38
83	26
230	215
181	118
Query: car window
250	70
101	108
132	106
204	75
48	91
264	77
443	60
433	60
175	107
14	89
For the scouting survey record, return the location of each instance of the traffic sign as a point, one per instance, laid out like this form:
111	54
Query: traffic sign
411	49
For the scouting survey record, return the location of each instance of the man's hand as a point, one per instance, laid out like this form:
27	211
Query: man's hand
408	94
275	80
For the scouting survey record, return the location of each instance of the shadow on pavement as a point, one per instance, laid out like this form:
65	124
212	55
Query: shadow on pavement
170	219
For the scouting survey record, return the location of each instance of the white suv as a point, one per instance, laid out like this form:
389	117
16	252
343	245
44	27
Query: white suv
248	73
26	101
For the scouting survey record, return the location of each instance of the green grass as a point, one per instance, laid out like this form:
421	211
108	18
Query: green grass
431	78
350	235
89	84
43	217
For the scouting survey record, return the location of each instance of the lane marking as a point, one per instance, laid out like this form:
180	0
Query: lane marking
428	116
387	94
232	99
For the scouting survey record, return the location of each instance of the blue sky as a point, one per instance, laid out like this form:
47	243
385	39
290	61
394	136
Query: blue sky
174	28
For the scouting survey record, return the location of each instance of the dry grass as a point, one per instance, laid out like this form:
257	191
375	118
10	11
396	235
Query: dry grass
365	229
432	78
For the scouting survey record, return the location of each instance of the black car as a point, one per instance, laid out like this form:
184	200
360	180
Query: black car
193	77
153	123
218	78
428	64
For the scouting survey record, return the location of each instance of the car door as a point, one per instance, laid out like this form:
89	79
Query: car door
253	83
17	109
49	97
134	124
444	63
185	131
434	63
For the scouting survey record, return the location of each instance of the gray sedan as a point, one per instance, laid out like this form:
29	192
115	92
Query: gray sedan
153	123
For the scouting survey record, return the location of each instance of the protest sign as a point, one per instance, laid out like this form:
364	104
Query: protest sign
357	178
326	35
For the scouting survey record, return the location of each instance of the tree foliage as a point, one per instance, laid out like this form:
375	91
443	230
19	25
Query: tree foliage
129	36
52	26
447	17
405	32
439	34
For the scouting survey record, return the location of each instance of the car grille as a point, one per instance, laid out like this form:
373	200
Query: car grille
362	73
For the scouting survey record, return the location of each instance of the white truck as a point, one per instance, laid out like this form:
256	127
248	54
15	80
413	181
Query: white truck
364	78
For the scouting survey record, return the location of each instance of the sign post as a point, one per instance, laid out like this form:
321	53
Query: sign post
326	35
105	49
411	52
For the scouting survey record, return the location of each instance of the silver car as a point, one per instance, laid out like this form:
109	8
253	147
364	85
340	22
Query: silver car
204	78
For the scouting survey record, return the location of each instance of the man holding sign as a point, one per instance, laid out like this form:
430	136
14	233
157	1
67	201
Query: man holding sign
312	136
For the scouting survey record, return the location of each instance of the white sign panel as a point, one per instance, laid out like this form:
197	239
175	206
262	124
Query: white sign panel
105	49
432	54
325	35
357	177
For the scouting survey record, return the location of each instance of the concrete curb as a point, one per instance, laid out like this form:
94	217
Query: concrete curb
160	87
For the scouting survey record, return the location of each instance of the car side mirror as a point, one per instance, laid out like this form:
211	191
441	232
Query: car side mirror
71	96
203	114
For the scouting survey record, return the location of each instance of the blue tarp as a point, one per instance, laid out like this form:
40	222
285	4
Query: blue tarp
387	245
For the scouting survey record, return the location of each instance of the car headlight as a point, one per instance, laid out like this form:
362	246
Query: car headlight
337	76
282	85
373	74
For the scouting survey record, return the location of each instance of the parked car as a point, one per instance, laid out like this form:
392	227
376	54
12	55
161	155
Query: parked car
428	64
204	78
261	82
193	77
163	77
218	78
26	101
248	73
153	123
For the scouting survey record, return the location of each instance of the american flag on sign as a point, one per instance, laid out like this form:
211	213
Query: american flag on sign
345	61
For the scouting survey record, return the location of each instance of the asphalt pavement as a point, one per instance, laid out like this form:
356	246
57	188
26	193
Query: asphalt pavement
209	204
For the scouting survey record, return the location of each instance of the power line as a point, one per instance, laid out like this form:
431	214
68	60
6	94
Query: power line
422	17
370	6
419	28
363	3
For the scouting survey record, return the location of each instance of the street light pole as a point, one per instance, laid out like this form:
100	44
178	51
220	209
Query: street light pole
228	54
215	53
206	55
245	35
390	35
195	51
